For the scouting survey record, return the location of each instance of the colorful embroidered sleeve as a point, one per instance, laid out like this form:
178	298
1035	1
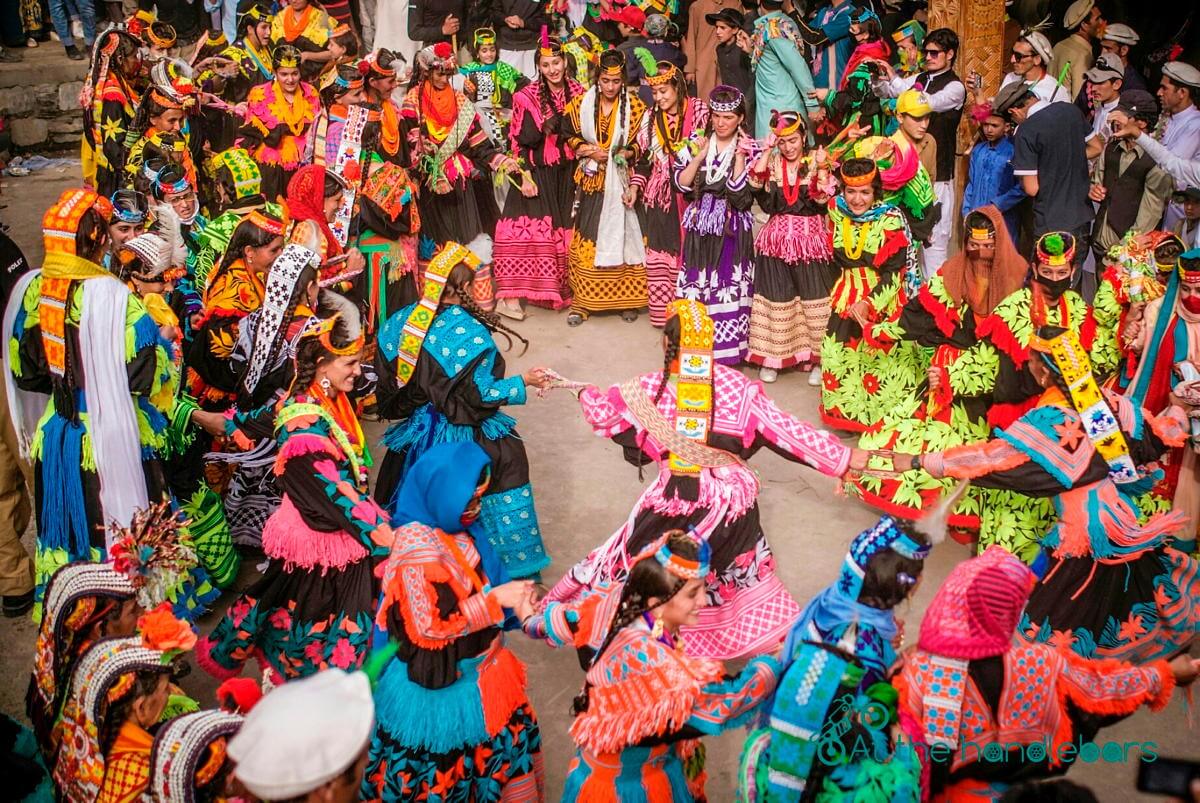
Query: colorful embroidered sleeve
26	351
497	389
728	703
974	460
411	581
1115	687
798	440
604	410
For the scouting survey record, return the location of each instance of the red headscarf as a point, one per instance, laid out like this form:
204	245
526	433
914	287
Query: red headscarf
306	201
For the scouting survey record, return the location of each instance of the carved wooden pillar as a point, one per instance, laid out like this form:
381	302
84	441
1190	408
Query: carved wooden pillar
980	28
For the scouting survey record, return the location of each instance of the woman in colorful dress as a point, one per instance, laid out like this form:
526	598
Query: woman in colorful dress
228	75
628	639
312	608
1114	587
675	122
842	650
234	290
234	191
854	102
793	264
338	95
160	123
606	258
951	407
1162	378
490	84
304	26
995	707
119	690
277	119
388	226
534	232
704	482
865	372
316	200
446	602
441	377
62	323
717	262
109	104
84	602
189	763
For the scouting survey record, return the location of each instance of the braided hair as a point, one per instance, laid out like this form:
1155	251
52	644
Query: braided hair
546	97
459	280
648	580
307	276
117	711
312	352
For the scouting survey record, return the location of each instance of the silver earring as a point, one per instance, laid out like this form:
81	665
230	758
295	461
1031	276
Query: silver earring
325	383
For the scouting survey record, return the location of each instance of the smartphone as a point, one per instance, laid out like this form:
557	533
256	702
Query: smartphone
1167	776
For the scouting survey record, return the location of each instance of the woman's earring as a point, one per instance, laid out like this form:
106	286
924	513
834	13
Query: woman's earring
657	630
325	383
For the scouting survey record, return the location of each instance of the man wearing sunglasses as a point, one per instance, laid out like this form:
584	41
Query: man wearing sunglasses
1029	57
945	95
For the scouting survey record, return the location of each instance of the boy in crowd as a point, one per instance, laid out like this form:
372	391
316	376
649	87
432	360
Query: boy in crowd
733	60
990	178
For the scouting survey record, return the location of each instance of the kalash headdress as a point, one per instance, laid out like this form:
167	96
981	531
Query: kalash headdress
115	42
407	342
858	181
786	123
1167	249
612	63
1066	356
484	36
153	553
280	288
60	224
725	106
104	675
657	73
243	171
548	46
322	327
171	85
1056	248
439	56
161	251
1189	266
189	752
286	57
77	596
380	64
159	34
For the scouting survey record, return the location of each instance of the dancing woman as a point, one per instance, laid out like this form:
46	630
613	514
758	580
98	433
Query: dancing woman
441	377
717	262
704	482
646	703
278	116
312	608
534	231
674	123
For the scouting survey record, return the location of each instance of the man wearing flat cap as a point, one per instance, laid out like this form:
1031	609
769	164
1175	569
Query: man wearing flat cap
1179	96
1105	82
1030	59
1085	21
1130	187
1119	39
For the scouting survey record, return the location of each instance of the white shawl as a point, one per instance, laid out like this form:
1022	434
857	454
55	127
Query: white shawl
112	421
619	239
26	407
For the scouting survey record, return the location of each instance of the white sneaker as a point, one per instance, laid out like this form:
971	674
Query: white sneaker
768	375
814	376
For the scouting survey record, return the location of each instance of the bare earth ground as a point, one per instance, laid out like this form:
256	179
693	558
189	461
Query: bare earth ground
585	490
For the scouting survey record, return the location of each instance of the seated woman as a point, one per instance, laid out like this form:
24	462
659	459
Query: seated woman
312	607
119	691
446	600
441	377
629	643
986	703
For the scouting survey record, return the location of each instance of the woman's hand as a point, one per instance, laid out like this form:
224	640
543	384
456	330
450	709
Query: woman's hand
629	197
701	146
528	187
934	376
1185	669
355	262
861	312
599	155
212	423
858	459
441	187
513	593
537	378
820	94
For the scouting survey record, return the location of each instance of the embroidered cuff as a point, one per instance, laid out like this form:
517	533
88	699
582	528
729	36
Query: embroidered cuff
481	611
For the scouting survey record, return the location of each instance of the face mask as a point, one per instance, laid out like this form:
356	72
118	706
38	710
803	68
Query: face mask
1054	288
1191	304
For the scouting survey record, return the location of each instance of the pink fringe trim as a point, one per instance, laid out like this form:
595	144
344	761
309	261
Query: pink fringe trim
302	444
795	238
287	537
206	662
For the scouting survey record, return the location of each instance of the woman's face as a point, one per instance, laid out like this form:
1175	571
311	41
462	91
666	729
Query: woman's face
351	96
859	199
332	204
336	49
792	146
439	77
123	620
184	204
610	86
1040	371
144	287
683	608
552	68
298	5
725	124
171	121
666	96
260	259
385	86
341	372
289	78
262	31
121	232
147	711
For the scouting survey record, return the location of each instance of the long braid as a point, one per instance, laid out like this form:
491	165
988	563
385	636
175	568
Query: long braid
309	351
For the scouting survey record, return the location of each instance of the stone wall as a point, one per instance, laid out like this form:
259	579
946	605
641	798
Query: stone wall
39	101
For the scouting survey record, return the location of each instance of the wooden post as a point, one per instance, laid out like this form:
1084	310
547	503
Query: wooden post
980	28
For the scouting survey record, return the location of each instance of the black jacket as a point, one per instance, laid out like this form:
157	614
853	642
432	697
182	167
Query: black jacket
425	18
526	38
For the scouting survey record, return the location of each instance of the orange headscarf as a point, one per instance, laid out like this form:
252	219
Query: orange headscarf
966	280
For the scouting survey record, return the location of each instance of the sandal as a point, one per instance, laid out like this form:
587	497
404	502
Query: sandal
629	315
574	319
510	309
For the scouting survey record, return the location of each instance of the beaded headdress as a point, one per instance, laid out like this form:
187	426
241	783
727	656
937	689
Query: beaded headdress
160	34
171	86
1056	248
859	181
437	57
286	56
725	106
664	73
277	297
1066	356
786	123
270	222
681	567
60	224
242	169
380	64
189	752
694	391
546	45
152	553
162	251
322	329
612	63
412	336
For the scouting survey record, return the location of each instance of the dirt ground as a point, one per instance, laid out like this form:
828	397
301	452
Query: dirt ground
584	491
